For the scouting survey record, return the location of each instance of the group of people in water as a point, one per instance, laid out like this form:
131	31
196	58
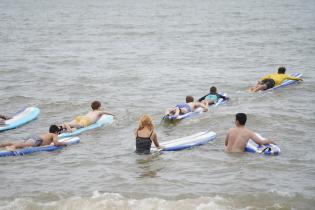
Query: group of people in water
235	141
54	130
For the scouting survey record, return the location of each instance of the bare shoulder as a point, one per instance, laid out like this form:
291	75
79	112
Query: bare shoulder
230	130
47	136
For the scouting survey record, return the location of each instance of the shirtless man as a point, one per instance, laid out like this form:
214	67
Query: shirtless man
238	136
86	120
36	141
189	106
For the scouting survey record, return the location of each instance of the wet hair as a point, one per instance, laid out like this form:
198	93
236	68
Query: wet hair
145	121
95	105
281	70
213	90
189	99
54	129
241	118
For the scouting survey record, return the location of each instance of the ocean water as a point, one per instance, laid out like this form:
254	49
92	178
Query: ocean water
144	56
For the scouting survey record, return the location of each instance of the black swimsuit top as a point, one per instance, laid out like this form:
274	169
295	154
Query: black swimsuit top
143	145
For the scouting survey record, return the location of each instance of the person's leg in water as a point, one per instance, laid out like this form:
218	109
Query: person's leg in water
175	111
13	146
207	102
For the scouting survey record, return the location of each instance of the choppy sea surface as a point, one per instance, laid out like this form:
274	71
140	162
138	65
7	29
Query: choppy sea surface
144	56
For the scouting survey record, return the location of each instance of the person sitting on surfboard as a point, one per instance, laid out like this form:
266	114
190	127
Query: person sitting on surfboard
36	141
86	120
237	137
272	80
212	97
184	108
3	118
145	134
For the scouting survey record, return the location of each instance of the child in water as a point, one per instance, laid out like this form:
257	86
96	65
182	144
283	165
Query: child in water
86	120
145	134
212	97
183	108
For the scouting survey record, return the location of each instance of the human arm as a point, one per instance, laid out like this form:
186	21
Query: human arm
294	78
56	142
226	139
221	96
202	98
259	140
155	141
107	113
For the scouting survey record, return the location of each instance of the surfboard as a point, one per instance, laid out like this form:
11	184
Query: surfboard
48	148
105	119
21	118
268	149
187	142
288	82
198	111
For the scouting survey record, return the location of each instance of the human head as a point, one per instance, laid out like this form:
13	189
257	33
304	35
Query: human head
145	121
95	105
241	118
281	70
189	99
213	90
54	129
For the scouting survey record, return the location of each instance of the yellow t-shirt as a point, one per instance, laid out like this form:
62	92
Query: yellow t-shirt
279	78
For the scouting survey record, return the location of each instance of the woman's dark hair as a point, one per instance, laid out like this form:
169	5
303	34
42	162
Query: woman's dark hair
241	118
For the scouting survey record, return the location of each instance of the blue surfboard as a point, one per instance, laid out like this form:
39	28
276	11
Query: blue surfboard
198	111
24	116
105	119
268	149
187	142
48	148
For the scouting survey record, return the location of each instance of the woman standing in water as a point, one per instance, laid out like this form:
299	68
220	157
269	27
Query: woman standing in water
145	134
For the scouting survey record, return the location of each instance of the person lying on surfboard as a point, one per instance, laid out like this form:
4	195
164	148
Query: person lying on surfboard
237	137
272	80
189	106
3	118
85	120
212	97
36	141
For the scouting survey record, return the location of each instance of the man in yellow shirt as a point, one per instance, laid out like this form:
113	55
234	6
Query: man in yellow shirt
272	80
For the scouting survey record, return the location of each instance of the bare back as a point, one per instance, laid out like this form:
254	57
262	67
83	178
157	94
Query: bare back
48	138
237	139
94	115
146	133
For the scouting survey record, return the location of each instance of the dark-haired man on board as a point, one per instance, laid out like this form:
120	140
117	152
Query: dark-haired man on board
272	80
36	141
237	137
